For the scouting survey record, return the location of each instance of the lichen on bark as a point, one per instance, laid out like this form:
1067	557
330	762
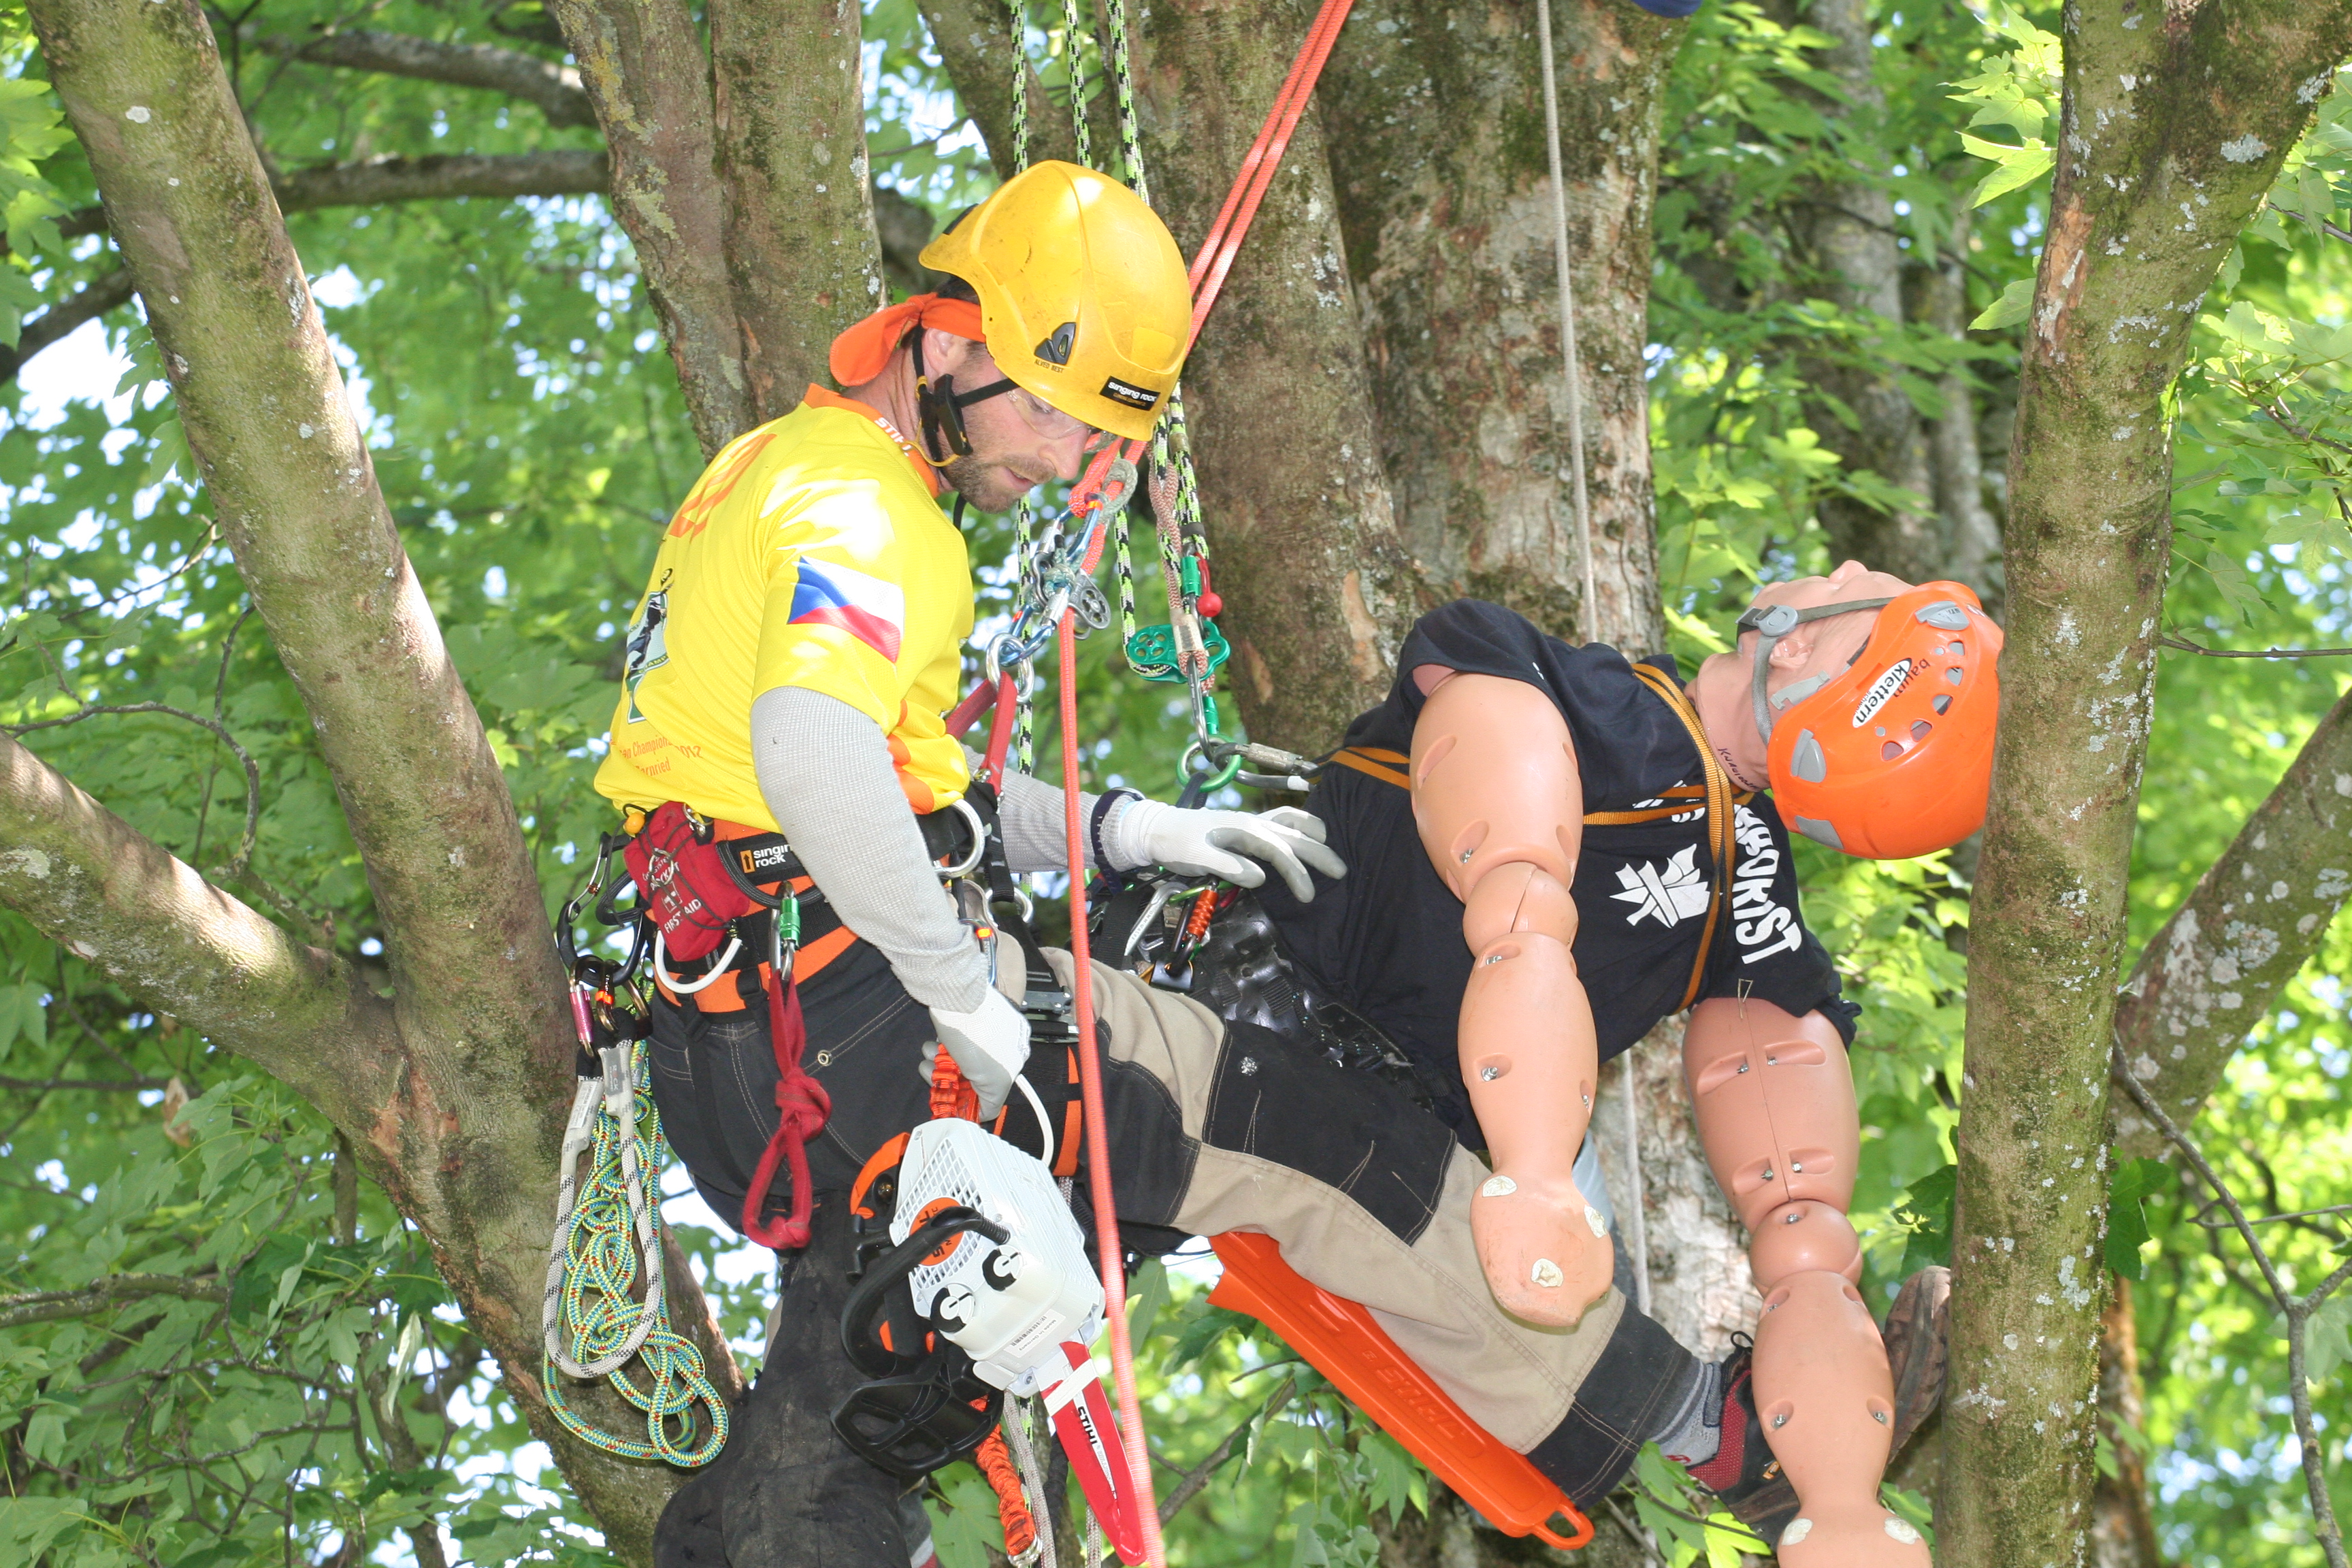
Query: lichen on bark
2155	178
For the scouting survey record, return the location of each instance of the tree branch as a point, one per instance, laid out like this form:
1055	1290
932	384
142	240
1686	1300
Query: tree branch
66	316
788	122
2296	1310
644	69
555	89
1198	1475
114	899
50	1306
457	1112
2253	920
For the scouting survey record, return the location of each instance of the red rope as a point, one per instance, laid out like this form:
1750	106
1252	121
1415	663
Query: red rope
1258	167
1114	1275
802	1106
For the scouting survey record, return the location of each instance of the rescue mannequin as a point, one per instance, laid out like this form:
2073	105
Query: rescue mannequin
1868	704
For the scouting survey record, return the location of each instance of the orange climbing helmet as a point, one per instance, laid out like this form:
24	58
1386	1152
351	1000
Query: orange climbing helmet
1892	756
1082	291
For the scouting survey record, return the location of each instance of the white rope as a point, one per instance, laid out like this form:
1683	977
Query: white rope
1637	1227
1017	1414
1575	380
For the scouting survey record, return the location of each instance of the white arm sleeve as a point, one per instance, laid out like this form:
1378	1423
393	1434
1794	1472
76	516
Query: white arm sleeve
825	771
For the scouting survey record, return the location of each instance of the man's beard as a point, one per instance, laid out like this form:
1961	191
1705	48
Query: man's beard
980	482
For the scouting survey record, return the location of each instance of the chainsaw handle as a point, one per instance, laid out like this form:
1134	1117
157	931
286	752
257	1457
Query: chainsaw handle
869	1298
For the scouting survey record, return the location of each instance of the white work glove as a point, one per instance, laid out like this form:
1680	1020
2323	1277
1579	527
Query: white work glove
990	1045
1227	844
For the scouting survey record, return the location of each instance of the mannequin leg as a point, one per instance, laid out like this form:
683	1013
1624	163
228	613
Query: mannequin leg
1500	811
1776	1113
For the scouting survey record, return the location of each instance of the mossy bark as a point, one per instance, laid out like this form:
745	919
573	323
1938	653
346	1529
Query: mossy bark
643	66
1319	593
2173	122
455	1093
790	127
1446	202
2247	928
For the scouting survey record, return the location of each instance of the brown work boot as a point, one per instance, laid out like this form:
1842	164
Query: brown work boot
1918	1331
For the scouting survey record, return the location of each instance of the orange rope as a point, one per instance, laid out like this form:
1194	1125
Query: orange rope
1012	1508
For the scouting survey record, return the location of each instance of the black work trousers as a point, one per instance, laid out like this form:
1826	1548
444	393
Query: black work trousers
1211	1129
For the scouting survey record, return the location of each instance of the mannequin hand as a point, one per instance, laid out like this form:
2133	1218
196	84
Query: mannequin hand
990	1045
1229	844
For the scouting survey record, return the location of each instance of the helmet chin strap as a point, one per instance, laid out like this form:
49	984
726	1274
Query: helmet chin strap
1775	622
941	408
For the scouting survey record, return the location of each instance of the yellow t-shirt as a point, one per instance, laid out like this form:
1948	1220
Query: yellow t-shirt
811	554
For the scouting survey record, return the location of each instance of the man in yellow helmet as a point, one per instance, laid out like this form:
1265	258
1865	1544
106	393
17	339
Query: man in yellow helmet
787	672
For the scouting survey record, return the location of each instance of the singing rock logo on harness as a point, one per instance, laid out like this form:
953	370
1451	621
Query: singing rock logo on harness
1883	689
1761	922
1669	893
762	857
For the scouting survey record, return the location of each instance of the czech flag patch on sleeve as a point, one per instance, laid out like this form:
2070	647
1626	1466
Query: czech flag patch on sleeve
869	609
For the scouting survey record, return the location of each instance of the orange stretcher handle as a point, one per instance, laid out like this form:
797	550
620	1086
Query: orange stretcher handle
1342	1341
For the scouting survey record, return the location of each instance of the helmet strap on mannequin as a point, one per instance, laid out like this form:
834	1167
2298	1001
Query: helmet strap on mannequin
942	407
1775	622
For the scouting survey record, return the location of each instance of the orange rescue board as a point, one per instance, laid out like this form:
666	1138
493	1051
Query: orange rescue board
1342	1341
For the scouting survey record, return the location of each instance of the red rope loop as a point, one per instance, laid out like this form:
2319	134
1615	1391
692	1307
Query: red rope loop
801	1107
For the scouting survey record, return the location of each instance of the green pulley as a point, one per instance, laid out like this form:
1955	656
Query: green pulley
1151	651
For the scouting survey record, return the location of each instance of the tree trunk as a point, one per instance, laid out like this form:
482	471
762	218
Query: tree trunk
643	66
1318	592
1852	235
2123	1529
789	119
455	1093
1973	534
2163	114
1445	199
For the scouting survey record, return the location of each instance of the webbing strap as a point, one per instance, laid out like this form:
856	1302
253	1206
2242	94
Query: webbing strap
1715	796
1720	818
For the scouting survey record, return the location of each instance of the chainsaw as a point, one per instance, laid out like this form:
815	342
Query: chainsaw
982	1289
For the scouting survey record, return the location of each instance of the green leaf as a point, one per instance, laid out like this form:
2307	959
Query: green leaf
2127	1225
2327	1339
2016	299
1147	1297
1926	1208
22	1016
2014	166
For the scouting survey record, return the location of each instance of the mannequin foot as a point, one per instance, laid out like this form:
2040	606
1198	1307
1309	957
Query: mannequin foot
1858	1537
1546	1253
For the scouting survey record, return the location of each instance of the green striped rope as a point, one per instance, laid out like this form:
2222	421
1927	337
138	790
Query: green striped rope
600	1309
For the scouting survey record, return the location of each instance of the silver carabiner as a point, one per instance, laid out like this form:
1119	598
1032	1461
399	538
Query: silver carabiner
964	867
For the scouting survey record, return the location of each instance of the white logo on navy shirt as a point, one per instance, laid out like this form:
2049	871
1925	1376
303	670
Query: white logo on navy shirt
1760	923
1669	893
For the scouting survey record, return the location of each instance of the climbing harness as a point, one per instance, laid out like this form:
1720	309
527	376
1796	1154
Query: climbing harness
597	1318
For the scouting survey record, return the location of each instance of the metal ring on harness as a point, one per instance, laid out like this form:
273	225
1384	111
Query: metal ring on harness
688	987
965	867
1217	780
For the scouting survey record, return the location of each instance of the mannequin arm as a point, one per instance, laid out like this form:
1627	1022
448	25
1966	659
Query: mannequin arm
1500	807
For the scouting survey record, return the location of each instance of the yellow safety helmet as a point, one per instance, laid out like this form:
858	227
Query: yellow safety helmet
1082	293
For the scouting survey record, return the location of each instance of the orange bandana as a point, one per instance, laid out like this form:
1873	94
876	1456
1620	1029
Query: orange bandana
860	352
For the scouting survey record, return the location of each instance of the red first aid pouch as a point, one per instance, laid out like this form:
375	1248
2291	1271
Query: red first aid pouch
682	884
